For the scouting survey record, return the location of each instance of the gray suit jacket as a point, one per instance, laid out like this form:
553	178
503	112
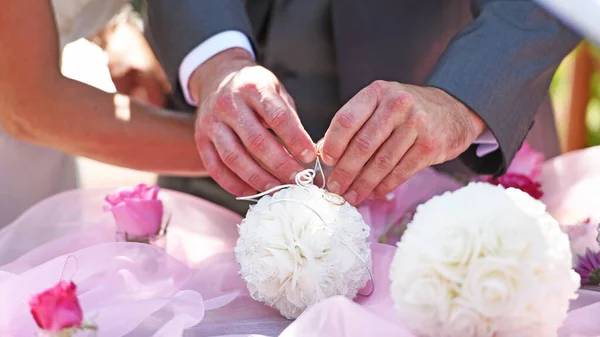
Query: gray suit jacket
497	57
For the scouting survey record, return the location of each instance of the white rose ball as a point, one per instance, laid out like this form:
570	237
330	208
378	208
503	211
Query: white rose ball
483	261
291	260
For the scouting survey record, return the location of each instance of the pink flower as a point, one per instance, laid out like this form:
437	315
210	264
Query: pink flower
588	267
522	172
527	162
137	211
520	181
57	308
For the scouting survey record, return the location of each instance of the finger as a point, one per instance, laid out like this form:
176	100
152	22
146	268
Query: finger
287	97
220	173
415	159
235	157
381	164
282	119
365	143
347	121
263	146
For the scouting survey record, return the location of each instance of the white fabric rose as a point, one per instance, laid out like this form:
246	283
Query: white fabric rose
483	261
290	260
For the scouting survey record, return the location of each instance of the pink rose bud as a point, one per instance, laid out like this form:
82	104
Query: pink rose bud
137	211
57	308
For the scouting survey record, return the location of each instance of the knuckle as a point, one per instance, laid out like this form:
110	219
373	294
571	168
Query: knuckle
397	178
224	103
378	86
402	102
210	130
278	117
363	183
383	162
230	158
254	179
249	88
256	142
282	166
344	173
345	119
363	145
417	120
431	145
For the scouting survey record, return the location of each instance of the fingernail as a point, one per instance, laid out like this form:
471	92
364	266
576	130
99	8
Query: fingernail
307	156
351	197
334	187
328	160
269	186
293	177
371	196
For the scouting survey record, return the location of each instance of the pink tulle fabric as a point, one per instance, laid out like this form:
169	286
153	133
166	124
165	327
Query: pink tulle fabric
192	289
381	215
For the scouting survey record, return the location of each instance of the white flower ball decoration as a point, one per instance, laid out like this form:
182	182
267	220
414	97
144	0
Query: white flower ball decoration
483	261
290	260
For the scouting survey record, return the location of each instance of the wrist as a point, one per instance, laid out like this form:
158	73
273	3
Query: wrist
474	125
477	124
209	74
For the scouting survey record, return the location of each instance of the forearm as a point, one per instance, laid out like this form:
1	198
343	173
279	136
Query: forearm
501	66
81	120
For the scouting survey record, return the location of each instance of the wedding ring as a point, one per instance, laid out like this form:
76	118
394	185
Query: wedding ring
333	198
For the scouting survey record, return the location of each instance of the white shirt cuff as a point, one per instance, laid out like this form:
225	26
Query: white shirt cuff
487	144
207	49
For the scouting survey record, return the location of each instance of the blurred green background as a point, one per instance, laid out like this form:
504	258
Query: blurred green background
561	92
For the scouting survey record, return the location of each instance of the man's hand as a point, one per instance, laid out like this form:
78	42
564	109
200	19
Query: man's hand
238	102
390	131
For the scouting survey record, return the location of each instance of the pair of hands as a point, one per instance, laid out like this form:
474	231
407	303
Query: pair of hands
376	141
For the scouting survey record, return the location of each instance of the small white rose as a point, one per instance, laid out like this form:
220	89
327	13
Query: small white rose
511	236
426	299
464	321
455	246
496	286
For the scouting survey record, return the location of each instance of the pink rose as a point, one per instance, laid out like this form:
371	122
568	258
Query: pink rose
520	181
137	212
527	162
523	172
57	308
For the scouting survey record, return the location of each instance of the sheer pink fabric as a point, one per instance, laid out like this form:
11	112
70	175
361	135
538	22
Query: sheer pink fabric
132	289
129	288
382	215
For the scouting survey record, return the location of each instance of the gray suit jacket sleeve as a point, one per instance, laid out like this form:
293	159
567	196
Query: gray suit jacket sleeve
177	27
501	66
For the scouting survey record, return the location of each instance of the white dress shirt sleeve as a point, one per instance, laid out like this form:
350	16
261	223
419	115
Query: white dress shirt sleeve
207	49
487	144
236	39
